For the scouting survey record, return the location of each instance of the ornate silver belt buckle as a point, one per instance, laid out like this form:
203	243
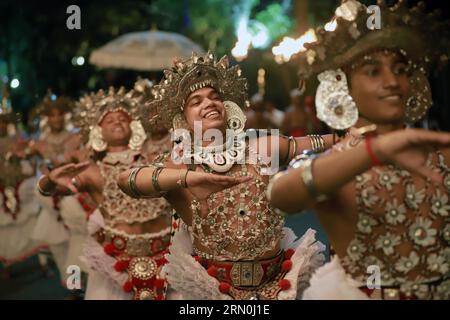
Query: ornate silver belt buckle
143	268
244	274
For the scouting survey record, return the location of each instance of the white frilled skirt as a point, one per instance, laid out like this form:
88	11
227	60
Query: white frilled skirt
16	243
330	282
104	282
191	280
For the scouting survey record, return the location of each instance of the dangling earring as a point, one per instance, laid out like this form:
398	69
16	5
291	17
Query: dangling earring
420	99
96	140
138	135
235	117
334	104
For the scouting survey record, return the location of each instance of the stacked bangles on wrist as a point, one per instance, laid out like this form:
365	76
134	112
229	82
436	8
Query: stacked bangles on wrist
132	183
317	143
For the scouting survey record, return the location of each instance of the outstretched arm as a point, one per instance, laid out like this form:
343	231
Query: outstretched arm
151	182
284	149
407	148
64	180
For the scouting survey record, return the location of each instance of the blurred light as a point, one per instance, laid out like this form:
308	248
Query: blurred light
80	61
15	83
260	34
74	61
289	46
261	39
240	50
331	26
53	97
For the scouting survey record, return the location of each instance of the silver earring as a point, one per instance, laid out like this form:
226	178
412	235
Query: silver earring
334	104
235	117
138	135
420	99
96	139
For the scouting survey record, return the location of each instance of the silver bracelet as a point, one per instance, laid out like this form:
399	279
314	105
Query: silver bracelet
307	176
317	143
41	191
294	152
305	161
155	177
132	183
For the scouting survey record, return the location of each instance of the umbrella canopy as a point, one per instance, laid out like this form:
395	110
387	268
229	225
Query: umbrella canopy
144	51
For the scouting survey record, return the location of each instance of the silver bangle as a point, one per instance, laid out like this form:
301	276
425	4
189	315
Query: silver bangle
132	183
41	191
155	177
307	176
294	152
305	161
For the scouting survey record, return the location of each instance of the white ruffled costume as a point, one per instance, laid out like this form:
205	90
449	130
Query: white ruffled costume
52	232
186	276
331	282
74	217
105	283
16	243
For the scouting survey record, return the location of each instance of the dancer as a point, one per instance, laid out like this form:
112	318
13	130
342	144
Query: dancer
128	237
232	244
382	193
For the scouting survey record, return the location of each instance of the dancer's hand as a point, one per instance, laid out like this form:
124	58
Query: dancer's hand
62	176
202	184
410	148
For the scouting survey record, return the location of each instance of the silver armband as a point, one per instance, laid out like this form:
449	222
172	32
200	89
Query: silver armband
132	183
305	161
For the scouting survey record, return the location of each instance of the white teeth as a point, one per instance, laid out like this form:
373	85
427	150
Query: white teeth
392	98
212	113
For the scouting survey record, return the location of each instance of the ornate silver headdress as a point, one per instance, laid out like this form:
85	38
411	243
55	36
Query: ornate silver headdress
92	108
38	116
197	72
407	30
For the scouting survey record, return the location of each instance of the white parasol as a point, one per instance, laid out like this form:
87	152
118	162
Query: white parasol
144	51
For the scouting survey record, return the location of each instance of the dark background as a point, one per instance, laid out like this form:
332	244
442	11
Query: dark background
37	48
